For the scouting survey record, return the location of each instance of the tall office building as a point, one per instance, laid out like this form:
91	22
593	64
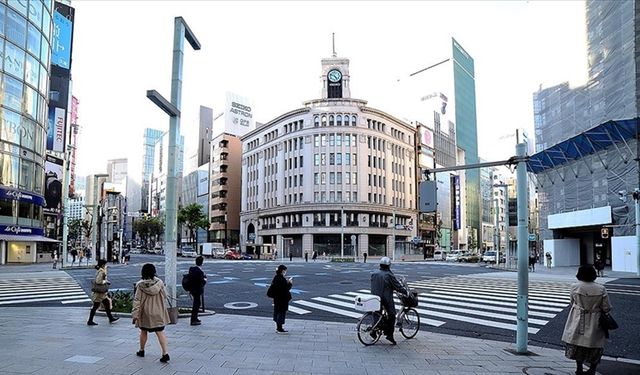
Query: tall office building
205	121
587	147
150	138
26	38
160	171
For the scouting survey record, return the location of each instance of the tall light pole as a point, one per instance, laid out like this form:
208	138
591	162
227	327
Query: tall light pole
522	333
181	31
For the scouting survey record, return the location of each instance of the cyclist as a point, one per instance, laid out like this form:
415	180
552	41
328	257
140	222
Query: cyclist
383	284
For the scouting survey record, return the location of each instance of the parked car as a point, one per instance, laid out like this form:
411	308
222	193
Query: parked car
188	251
247	257
454	255
233	255
490	256
219	253
439	255
469	258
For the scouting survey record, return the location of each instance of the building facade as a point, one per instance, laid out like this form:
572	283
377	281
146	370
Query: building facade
225	179
26	39
335	177
597	182
149	140
157	194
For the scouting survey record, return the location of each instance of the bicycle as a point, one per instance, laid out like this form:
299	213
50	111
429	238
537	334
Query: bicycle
371	325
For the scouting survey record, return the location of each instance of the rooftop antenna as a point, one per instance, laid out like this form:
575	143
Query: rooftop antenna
333	42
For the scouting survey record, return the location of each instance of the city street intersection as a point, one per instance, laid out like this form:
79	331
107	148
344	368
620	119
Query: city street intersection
455	299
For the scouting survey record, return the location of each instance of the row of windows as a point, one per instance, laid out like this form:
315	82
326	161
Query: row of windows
292	163
21	131
253	144
334	120
271	136
293	198
376	143
377	180
21	173
23	98
376	125
294	144
349	140
23	66
376	162
335	158
293	126
25	210
398	134
292	181
14	27
335	178
335	196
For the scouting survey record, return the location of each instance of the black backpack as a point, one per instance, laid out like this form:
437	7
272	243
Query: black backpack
186	282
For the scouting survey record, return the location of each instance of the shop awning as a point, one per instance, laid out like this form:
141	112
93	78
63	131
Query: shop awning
16	238
609	134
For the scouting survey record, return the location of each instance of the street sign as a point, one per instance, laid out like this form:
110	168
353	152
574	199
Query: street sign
428	196
134	214
532	236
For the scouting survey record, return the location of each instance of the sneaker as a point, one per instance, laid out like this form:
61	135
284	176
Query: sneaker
281	330
391	340
196	323
140	353
91	323
165	358
114	320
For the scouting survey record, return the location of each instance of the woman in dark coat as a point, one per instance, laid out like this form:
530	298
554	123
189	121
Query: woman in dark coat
281	296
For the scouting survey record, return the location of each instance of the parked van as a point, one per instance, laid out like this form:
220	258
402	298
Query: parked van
439	255
212	250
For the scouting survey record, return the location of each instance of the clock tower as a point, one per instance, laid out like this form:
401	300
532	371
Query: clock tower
335	78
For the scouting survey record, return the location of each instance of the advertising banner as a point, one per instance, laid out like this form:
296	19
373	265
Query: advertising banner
62	35
55	133
20	230
18	195
457	209
53	184
238	115
426	137
203	180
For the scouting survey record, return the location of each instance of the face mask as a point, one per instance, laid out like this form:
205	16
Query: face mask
284	273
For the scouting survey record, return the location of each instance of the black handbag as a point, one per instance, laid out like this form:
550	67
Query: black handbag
99	288
607	322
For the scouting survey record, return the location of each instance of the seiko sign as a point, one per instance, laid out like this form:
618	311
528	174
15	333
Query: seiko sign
241	109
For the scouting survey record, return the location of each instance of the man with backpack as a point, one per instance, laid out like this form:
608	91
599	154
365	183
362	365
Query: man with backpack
196	282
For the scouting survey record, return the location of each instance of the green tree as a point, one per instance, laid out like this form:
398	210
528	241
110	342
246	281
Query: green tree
193	217
75	227
149	227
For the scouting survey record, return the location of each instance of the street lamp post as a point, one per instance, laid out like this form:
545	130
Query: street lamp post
181	32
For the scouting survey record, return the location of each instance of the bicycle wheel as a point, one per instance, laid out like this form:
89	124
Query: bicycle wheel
410	323
368	333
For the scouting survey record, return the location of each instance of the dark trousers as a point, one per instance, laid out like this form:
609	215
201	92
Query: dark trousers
197	298
279	316
107	309
390	323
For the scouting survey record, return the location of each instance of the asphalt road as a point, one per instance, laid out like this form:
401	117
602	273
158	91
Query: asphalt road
459	299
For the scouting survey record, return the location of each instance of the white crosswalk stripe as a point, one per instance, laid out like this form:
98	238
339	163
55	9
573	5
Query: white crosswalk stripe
479	301
38	289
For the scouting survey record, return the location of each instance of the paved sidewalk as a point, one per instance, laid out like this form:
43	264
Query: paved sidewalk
56	341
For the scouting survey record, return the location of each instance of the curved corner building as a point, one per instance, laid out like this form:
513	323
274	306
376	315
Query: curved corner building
332	173
25	29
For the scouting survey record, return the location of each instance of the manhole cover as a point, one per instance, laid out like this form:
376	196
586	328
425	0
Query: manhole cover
240	305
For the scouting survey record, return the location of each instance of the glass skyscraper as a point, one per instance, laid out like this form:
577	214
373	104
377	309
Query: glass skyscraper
25	32
151	137
467	130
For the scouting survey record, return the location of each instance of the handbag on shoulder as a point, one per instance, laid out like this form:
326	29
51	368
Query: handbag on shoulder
607	322
99	288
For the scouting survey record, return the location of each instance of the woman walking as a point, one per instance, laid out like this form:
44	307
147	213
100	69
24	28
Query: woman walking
99	292
583	336
150	311
281	296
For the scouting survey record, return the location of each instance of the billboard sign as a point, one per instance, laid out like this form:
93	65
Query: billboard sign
55	133
53	184
457	202
62	35
18	230
203	180
239	116
426	137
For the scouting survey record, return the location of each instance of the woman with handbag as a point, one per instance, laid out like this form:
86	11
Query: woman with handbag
583	335
150	310
280	292
99	290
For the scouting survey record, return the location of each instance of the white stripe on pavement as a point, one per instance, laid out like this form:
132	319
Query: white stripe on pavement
39	300
500	303
350	314
444	287
44	295
76	301
40	291
298	310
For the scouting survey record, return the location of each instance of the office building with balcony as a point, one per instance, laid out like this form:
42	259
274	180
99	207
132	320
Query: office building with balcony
26	40
225	183
333	177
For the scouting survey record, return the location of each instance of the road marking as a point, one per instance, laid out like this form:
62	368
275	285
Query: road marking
39	300
298	310
499	303
76	301
351	314
240	305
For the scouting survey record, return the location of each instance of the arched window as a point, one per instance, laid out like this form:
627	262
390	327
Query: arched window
324	120
353	121
339	120
331	120
316	121
346	120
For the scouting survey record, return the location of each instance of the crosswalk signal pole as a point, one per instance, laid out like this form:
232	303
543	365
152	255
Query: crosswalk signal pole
523	271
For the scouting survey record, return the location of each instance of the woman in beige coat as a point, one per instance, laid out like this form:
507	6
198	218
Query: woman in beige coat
150	310
583	336
100	298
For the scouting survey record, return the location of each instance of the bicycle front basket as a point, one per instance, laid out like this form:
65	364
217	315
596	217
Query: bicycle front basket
411	300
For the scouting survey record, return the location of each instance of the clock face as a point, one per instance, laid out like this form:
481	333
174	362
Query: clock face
334	75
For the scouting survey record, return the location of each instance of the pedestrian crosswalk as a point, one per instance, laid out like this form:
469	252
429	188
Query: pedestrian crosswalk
462	299
16	291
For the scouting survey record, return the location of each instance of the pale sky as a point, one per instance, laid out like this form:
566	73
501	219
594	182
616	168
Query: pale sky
270	52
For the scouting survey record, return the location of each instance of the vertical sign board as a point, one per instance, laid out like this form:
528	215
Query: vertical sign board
428	196
457	215
53	184
55	132
61	37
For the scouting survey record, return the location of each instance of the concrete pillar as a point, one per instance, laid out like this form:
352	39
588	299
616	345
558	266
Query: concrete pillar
363	244
307	244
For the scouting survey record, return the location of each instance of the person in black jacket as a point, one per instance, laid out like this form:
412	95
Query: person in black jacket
383	284
281	296
198	280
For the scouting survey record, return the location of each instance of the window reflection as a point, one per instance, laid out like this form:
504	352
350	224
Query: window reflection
33	40
6	208
31	71
35	11
12	89
3	10
19	5
14	60
16	28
